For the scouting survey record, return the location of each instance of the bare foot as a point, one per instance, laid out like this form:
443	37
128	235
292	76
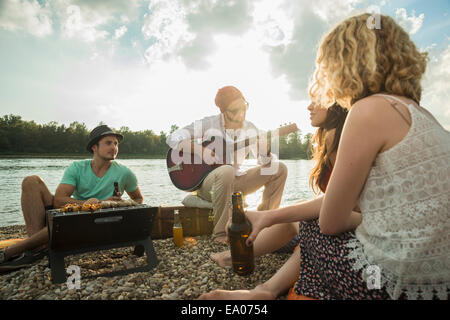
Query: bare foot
223	259
259	293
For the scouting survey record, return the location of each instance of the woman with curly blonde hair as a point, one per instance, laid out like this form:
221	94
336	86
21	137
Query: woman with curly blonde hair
393	159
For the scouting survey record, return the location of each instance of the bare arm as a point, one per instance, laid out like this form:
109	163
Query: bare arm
259	220
304	211
63	195
136	195
362	138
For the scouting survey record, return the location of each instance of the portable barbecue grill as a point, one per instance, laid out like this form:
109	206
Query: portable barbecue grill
79	232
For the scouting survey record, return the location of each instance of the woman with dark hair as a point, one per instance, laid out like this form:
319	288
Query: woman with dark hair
326	140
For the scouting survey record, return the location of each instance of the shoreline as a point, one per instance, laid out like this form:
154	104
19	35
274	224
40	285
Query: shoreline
181	274
75	156
89	156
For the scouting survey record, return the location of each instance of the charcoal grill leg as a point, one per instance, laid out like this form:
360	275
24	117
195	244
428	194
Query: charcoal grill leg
139	250
152	260
57	267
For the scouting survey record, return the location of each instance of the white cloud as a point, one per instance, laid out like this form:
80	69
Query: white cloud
165	25
109	7
272	23
187	29
195	53
289	31
83	24
124	94
118	33
266	48
220	17
110	10
411	24
208	20
436	95
29	16
331	11
91	21
295	58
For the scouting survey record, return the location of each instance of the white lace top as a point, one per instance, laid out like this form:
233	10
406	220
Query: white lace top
405	230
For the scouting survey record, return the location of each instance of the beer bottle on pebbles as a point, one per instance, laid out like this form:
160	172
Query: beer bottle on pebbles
177	229
241	255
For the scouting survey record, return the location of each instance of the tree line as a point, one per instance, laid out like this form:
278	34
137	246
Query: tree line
18	136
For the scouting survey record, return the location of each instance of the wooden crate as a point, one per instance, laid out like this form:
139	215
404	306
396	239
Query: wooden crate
195	221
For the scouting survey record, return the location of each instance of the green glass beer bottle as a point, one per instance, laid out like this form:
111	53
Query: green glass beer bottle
241	255
116	189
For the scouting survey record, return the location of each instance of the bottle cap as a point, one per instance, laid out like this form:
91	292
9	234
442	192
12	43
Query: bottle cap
237	199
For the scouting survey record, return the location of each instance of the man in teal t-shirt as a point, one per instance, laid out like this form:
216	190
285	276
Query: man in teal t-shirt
87	185
89	181
83	182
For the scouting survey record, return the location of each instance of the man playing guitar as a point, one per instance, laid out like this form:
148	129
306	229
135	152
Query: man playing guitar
230	125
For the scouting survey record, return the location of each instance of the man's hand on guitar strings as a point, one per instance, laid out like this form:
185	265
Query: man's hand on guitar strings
210	157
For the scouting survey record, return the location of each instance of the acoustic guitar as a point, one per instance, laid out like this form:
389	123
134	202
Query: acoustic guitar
187	171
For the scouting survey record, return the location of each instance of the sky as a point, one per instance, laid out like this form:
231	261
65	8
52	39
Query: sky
151	64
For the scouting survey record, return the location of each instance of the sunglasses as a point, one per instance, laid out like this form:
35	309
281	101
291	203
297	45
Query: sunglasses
235	111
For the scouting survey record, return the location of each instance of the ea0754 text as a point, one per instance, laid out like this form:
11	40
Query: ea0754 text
245	309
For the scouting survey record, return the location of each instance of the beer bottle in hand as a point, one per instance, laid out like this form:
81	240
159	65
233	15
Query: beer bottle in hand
177	229
241	255
116	189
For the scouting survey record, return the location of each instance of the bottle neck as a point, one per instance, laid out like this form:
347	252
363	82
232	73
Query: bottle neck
238	214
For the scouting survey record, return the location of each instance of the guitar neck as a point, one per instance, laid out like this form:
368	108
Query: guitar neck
282	131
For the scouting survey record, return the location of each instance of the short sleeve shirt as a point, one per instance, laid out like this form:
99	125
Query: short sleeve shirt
87	185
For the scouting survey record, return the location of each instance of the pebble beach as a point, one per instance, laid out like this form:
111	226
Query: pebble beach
181	274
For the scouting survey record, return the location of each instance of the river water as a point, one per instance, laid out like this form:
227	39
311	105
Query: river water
152	176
